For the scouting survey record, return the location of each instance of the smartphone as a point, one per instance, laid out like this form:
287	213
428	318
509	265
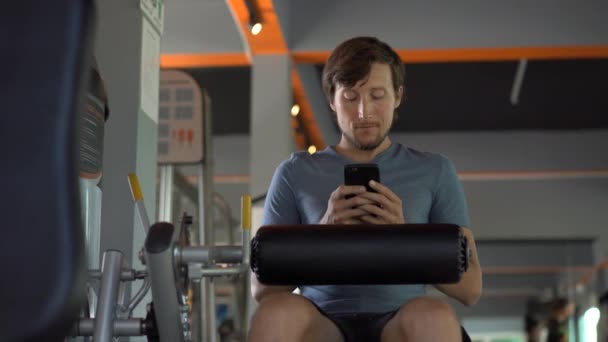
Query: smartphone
361	174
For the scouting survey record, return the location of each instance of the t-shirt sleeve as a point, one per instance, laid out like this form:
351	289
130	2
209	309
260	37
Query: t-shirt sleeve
449	202
280	206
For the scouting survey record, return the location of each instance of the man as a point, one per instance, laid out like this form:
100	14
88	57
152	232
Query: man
363	81
557	326
532	327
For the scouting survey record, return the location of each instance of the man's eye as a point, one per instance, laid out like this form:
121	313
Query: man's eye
350	95
378	94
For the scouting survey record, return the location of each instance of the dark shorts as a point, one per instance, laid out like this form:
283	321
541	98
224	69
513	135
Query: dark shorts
364	327
367	327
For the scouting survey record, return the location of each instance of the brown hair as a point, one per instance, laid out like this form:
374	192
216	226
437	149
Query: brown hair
559	304
351	61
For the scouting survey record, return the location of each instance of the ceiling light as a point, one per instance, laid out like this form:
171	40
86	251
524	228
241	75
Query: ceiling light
312	149
295	110
256	29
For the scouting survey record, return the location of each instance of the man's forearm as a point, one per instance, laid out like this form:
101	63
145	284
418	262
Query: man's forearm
468	289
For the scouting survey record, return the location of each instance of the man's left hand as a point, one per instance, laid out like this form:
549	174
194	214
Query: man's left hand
388	208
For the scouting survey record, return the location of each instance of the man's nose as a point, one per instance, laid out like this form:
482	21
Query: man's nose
362	108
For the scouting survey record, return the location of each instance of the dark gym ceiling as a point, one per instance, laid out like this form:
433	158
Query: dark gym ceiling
471	96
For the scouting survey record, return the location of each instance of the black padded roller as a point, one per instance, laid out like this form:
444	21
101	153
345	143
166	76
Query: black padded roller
359	254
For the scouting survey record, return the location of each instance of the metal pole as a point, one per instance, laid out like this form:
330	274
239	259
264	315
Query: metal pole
110	279
518	81
122	327
246	203
125	274
165	196
205	206
211	255
207	286
217	272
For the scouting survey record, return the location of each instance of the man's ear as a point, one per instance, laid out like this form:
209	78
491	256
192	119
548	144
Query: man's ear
331	105
399	97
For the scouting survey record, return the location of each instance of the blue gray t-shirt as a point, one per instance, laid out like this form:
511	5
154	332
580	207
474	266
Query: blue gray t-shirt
427	184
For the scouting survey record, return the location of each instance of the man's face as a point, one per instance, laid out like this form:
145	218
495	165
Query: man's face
365	111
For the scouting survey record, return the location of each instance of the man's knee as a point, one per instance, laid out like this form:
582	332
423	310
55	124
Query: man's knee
286	309
426	311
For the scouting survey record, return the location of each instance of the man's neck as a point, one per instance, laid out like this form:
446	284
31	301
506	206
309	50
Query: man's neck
346	149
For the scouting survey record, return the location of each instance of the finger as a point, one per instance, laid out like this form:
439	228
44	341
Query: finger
370	219
344	190
348	214
353	221
379	199
351	202
380	188
379	212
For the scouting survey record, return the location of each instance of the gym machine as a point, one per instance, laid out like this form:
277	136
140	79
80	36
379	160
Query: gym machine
172	267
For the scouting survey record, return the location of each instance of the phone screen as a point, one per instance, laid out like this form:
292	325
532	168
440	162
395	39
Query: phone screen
361	174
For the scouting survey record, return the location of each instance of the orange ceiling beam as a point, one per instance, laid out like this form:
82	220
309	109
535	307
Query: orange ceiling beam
307	118
208	60
586	278
409	56
475	54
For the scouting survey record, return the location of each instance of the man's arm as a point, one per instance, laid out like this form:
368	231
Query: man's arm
279	208
468	290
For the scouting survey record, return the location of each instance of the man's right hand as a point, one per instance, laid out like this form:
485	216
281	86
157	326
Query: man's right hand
341	210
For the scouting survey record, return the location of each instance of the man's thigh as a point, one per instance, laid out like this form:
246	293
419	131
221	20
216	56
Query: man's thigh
293	317
425	316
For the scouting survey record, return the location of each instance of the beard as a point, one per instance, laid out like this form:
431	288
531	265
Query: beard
367	146
370	145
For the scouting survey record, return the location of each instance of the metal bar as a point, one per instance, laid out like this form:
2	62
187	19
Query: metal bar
217	272
138	198
246	279
204	294
212	254
197	312
125	275
211	322
123	300
207	304
206	231
246	226
165	196
122	327
110	279
143	215
139	296
226	254
91	304
246	252
518	81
